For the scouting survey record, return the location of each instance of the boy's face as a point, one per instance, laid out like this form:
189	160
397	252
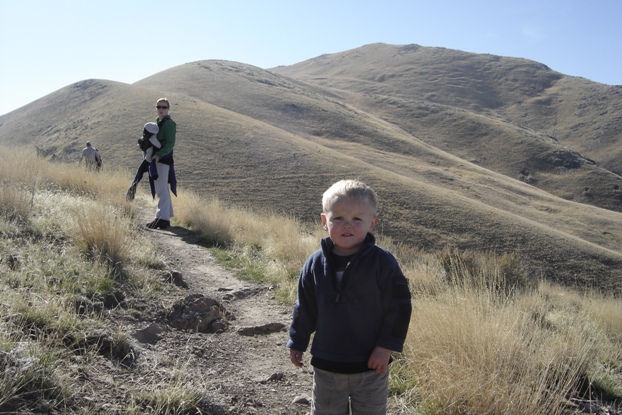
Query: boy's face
348	221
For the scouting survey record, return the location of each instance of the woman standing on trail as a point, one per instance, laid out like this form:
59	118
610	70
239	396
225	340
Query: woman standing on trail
165	166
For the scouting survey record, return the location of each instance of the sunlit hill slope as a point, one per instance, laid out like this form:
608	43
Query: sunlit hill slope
479	152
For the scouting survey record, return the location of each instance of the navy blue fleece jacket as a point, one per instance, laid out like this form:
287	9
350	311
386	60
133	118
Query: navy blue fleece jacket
370	307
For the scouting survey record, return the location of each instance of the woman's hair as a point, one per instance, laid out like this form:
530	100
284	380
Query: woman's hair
350	189
164	100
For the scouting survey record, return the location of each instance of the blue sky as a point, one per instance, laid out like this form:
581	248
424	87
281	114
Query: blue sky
46	45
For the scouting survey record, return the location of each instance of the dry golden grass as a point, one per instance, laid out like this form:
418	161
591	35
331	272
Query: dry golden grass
101	232
472	353
20	168
14	203
605	312
277	243
238	230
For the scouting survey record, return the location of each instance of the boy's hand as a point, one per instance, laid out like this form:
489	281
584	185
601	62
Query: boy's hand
379	360
296	357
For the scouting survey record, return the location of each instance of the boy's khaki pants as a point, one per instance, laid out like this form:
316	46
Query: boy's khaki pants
337	393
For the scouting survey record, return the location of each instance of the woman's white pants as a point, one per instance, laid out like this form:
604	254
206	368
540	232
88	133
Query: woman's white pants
165	205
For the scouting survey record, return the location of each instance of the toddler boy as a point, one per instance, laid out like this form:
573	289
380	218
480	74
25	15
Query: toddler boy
353	295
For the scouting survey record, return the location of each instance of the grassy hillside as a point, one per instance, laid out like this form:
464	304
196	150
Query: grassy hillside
452	169
509	115
581	114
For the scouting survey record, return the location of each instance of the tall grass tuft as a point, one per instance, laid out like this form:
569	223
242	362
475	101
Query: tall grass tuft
15	203
102	233
208	217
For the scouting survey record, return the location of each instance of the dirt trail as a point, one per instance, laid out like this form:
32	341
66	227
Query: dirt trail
243	374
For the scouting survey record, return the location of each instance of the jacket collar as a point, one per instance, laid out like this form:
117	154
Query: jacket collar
328	245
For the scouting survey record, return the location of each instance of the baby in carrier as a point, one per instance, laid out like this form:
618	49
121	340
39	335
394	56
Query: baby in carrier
149	140
149	144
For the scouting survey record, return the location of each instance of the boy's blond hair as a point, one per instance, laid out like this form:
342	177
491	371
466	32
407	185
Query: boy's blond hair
350	189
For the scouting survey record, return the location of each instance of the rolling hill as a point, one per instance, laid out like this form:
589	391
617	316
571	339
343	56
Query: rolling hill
479	152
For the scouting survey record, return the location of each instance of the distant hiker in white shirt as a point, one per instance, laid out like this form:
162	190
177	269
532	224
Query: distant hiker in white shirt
91	157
